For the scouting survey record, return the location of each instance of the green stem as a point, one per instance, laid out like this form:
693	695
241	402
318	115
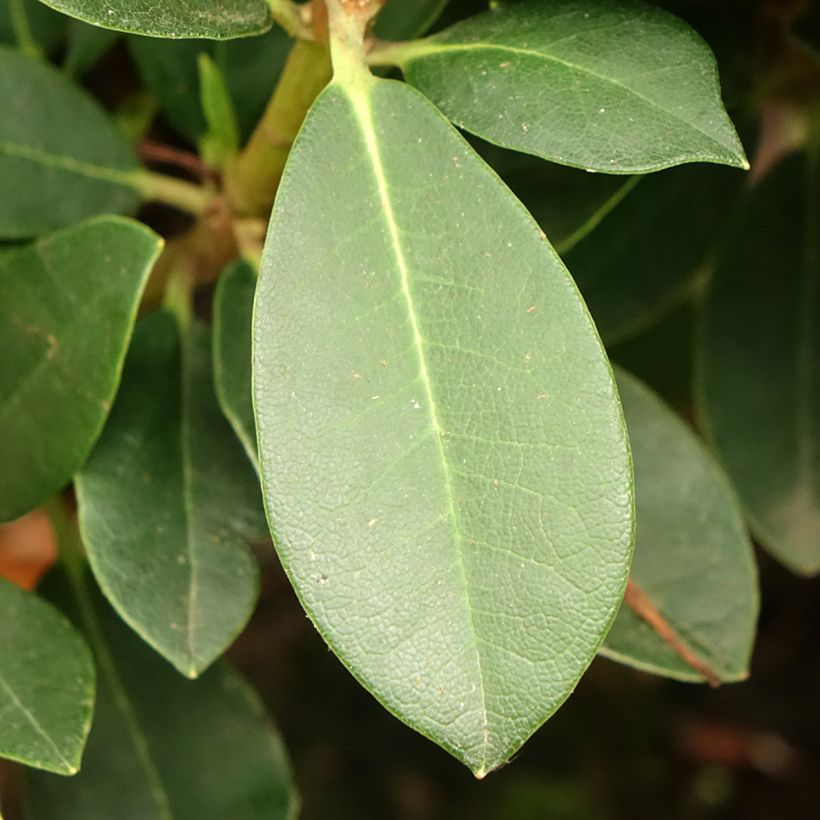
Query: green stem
287	15
22	30
178	296
584	230
172	191
252	180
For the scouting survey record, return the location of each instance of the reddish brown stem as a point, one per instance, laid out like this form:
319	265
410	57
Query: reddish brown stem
151	151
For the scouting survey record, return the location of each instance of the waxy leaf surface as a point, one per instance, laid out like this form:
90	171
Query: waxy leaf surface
46	684
233	317
168	501
61	158
443	454
693	558
607	85
67	311
759	363
175	19
162	747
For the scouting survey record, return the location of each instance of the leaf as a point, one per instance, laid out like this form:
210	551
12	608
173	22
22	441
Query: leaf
61	158
68	307
757	374
86	45
221	140
233	315
606	85
46	684
175	19
33	20
404	19
164	748
251	67
167	502
642	257
693	559
443	455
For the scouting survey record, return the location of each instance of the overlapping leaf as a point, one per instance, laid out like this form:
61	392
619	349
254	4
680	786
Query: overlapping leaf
693	560
607	85
61	158
168	501
443	454
162	747
758	378
46	684
68	307
176	19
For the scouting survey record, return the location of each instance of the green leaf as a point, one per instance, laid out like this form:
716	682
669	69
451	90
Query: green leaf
693	558
86	45
68	307
641	258
168	501
251	67
174	19
233	316
165	748
404	19
46	684
758	348
61	158
29	25
443	454
221	140
606	85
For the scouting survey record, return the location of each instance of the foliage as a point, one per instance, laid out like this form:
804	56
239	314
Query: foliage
402	375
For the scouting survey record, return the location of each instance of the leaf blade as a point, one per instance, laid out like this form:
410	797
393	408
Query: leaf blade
341	396
47	684
57	392
533	76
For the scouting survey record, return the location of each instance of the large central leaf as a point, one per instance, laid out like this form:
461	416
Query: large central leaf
443	453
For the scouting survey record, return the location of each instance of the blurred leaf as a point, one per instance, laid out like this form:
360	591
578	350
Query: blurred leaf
618	87
68	307
61	157
175	19
405	19
693	558
168	501
46	27
233	315
758	382
251	67
221	139
46	684
443	453
86	45
162	747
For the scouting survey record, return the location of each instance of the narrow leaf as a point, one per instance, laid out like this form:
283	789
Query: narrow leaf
68	307
86	45
163	748
405	19
168	502
61	158
443	454
607	85
46	684
221	140
175	19
233	316
692	609
758	356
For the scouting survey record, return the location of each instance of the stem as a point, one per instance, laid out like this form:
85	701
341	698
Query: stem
22	30
348	24
252	180
178	296
172	191
288	16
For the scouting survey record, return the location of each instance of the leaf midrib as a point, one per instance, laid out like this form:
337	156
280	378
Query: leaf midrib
360	100
425	49
35	724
